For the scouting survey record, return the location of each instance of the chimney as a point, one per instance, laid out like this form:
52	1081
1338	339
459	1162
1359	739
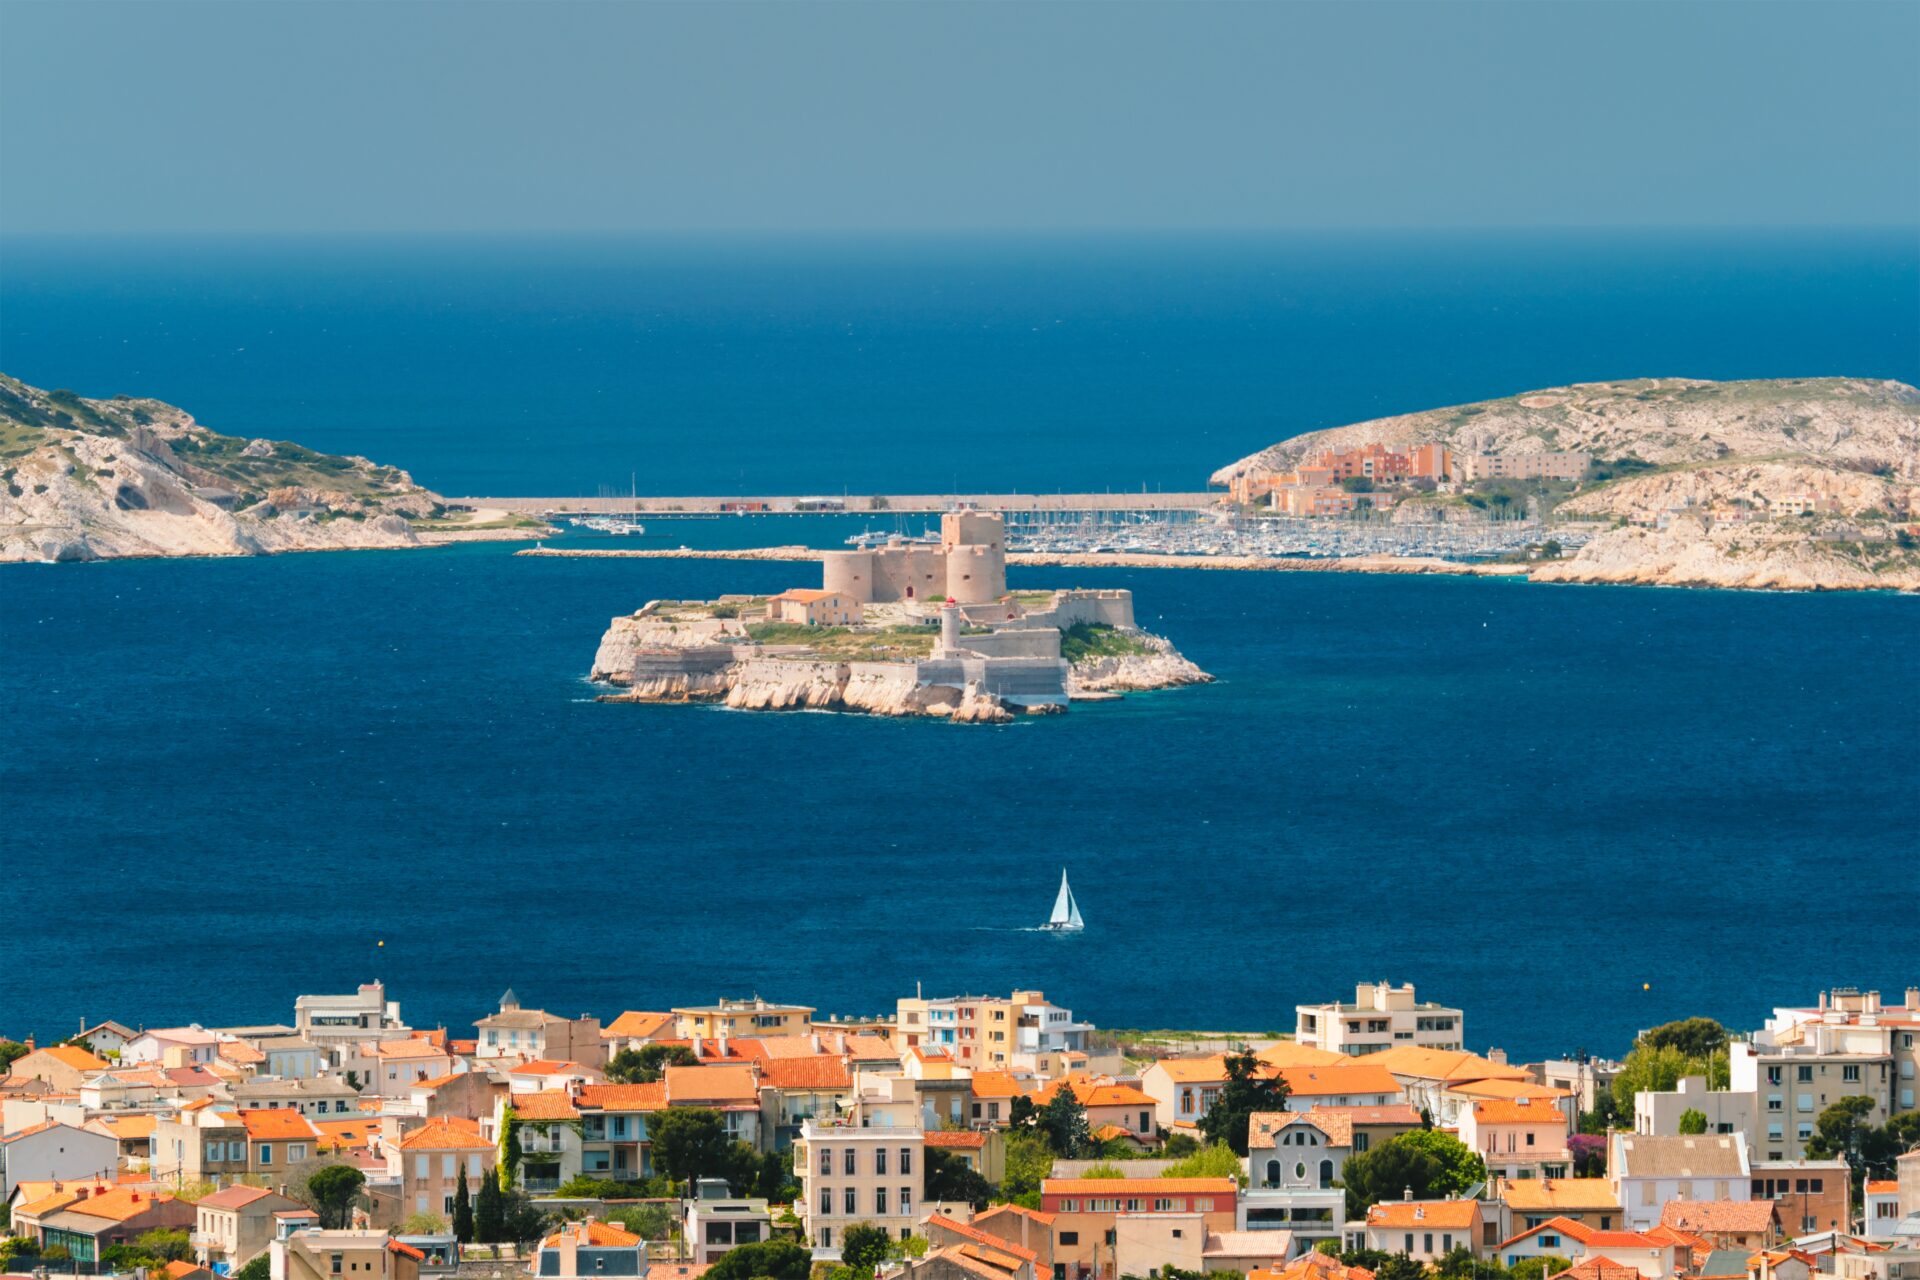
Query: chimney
722	1041
695	1040
1823	1002
1407	1195
840	1042
816	1042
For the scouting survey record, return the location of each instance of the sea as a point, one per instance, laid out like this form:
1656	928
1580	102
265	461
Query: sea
1572	811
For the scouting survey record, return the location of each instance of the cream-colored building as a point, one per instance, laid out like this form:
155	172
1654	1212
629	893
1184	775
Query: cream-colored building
1851	1044
313	1254
808	608
738	1019
1470	467
1380	1017
852	1174
236	1224
526	1035
991	1033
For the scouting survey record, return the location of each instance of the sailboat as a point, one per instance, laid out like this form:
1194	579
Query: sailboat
1066	911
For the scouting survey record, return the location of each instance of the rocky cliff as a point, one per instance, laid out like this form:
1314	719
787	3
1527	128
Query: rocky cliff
96	479
1801	483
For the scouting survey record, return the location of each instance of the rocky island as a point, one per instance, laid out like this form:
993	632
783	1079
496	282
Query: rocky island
905	629
84	479
1784	483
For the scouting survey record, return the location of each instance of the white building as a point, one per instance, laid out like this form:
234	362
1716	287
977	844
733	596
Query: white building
1295	1161
52	1151
1726	1110
1806	1059
1647	1171
1380	1017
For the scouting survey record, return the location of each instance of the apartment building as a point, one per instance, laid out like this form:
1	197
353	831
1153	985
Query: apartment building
1850	1044
1470	467
850	1173
1519	1138
1295	1161
527	1035
335	1021
1726	1110
1379	1017
991	1033
1087	1213
1647	1172
1425	1230
742	1019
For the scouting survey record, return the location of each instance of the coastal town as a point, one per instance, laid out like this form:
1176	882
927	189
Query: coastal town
967	1137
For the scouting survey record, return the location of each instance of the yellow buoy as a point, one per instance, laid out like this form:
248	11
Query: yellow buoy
1645	986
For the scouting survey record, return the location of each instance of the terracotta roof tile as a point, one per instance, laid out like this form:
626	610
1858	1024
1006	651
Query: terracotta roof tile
446	1133
958	1138
1105	1187
1519	1111
1431	1213
625	1097
1718	1215
277	1124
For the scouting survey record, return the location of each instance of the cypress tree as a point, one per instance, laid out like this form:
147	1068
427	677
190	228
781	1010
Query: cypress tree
462	1213
489	1214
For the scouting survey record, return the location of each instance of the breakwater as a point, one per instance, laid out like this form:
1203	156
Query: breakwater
1080	559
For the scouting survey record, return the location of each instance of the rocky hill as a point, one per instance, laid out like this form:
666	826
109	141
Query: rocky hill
1676	457
85	479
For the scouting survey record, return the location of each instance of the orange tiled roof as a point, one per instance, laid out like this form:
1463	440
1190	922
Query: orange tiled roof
1339	1080
822	1071
1289	1053
971	1232
625	1097
995	1084
1524	1195
408	1048
1311	1266
1431	1213
446	1133
348	1132
181	1270
711	1084
1594	1239
677	1270
1043	1218
1193	1070
128	1128
235	1197
635	1024
1443	1064
30	1130
1882	1186
549	1104
1505	1089
74	1056
120	1203
593	1232
552	1067
1262	1126
805	595
957	1138
1599	1267
1093	1093
1718	1215
1518	1111
274	1124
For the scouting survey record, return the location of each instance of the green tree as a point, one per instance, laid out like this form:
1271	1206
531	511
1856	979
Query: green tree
1461	1169
1843	1132
1369	1259
1249	1088
690	1143
423	1224
1387	1172
1695	1037
332	1190
489	1213
1029	1160
1178	1145
1020	1111
950	1179
508	1166
648	1221
1329	1247
1104	1169
521	1222
11	1051
649	1062
261	1268
773	1178
767	1260
1063	1121
1399	1267
163	1245
1693	1121
863	1247
1539	1268
462	1212
1216	1161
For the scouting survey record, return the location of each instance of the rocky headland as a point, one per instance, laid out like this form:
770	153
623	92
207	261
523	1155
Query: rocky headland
85	479
1784	483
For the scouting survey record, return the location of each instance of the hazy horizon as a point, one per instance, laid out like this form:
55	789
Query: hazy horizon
296	118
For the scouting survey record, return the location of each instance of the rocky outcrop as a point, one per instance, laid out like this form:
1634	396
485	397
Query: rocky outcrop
98	479
1829	557
1164	668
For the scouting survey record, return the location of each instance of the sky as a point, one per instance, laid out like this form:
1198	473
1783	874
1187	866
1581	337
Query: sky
165	116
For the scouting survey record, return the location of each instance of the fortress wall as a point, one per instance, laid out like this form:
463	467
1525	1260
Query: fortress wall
1025	642
897	568
1106	608
850	573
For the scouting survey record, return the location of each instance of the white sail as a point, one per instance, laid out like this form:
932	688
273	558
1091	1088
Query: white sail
1073	916
1065	909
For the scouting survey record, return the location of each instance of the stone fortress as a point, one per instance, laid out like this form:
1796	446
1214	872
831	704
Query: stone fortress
995	653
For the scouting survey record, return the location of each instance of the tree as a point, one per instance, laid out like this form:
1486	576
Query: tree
1367	1259
648	1221
1356	484
773	1178
489	1213
163	1245
332	1190
1461	1169
1399	1267
462	1212
423	1224
1104	1169
690	1143
1662	1055
11	1051
1329	1247
261	1268
1249	1088
863	1247
1539	1268
1063	1122
1178	1145
520	1221
1694	1037
1020	1111
1589	1152
767	1260
1387	1172
1028	1162
649	1062
1843	1132
1216	1161
951	1180
1693	1121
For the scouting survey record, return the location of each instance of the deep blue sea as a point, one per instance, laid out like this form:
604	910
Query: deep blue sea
1575	811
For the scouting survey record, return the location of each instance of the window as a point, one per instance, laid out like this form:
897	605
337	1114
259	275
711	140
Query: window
336	1264
1773	1075
1806	1130
449	1164
1163	1206
1805	1102
1326	1174
1273	1173
1300	1171
1850	1073
1069	1238
853	1205
1804	1075
446	1206
851	1163
266	1153
906	1162
1426	1239
1360	1141
1409	1249
880	1202
906	1200
1549	1241
826	1201
826	1237
880	1161
826	1160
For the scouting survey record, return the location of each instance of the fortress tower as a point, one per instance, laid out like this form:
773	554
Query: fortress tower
970	564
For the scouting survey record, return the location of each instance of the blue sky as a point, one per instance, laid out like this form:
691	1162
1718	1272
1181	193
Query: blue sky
504	117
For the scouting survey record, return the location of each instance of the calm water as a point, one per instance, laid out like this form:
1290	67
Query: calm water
909	365
225	782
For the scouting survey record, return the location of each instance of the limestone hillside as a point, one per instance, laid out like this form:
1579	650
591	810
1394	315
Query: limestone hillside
1856	424
85	479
